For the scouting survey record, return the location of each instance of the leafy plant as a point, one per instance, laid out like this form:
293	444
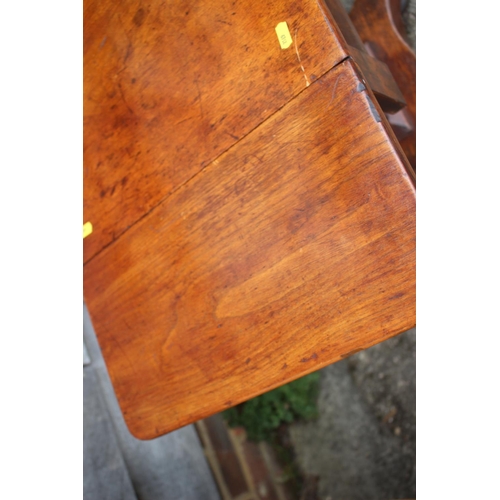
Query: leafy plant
264	414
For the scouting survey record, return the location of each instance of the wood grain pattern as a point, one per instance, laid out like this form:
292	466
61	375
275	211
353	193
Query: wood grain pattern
380	26
169	86
293	249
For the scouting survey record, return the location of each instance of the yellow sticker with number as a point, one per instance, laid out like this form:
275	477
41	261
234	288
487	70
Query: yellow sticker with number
284	36
87	229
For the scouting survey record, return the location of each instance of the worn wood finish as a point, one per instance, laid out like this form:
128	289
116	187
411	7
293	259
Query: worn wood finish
381	27
169	86
293	249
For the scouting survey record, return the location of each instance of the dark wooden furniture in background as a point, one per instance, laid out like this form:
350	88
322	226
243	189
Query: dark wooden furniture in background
253	211
381	28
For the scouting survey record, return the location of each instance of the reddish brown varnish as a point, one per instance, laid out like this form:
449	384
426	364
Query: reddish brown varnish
222	268
169	86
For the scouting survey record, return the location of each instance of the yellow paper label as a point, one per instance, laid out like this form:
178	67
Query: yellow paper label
87	229
284	36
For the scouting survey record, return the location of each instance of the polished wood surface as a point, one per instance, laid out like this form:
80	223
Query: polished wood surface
169	86
380	26
292	249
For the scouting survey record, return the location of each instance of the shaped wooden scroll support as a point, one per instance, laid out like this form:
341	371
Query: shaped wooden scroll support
380	26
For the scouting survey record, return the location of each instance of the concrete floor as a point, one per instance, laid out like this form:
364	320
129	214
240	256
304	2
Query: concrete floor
362	446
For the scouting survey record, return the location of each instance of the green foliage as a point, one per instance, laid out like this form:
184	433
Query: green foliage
262	415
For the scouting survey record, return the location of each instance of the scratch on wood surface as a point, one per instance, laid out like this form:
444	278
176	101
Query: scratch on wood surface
184	120
256	157
199	99
335	88
298	57
132	366
235	137
129	46
123	98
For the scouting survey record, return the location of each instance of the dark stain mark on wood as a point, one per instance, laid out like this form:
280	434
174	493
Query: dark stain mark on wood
139	17
312	357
